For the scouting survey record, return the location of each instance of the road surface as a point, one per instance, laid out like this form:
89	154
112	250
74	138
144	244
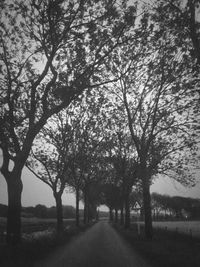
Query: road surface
100	246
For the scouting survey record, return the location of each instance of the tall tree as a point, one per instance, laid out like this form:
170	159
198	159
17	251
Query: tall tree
181	18
121	156
87	123
160	104
50	159
51	51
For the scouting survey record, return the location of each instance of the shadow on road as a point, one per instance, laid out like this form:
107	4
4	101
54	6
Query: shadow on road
100	246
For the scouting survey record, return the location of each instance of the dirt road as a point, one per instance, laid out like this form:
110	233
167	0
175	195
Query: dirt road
100	246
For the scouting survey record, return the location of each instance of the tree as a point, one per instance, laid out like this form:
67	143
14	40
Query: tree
181	18
51	51
177	205
160	203
86	139
118	152
136	199
49	159
40	211
126	168
160	104
112	199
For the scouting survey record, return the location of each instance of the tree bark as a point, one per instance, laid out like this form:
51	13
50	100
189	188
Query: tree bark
122	216
116	215
127	211
14	187
193	30
77	208
111	214
147	207
86	208
59	213
85	213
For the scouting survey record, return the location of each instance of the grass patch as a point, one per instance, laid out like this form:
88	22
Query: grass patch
167	249
33	249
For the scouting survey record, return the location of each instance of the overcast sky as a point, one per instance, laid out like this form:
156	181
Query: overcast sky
36	192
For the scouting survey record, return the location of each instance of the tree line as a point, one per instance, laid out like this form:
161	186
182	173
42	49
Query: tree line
40	211
175	207
99	96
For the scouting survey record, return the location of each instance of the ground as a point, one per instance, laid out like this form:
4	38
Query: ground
100	246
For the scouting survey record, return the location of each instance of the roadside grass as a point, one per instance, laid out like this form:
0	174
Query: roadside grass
167	249
34	249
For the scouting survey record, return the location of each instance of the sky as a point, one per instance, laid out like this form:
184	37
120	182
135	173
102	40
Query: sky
36	192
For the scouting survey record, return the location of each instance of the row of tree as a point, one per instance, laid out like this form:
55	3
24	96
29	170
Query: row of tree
177	207
40	211
99	96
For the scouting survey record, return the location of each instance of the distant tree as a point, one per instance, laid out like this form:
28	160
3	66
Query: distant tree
50	158
86	139
118	152
91	191
108	196
68	212
112	199
40	211
126	176
3	210
160	203
51	51
177	205
136	200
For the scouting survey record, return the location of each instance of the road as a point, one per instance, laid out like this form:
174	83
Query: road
100	246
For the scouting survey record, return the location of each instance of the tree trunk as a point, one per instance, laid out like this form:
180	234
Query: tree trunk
14	187
194	30
127	211
86	208
89	211
59	213
111	214
77	208
147	207
116	215
97	214
122	216
85	214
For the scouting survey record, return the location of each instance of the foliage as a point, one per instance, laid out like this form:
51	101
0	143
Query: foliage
177	205
158	90
50	52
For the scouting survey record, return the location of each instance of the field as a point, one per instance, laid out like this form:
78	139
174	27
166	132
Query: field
39	239
30	225
167	248
191	228
34	226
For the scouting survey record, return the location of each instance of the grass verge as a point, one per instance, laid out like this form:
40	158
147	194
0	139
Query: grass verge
34	249
167	249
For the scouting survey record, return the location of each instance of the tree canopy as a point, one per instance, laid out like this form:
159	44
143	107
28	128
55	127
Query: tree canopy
102	95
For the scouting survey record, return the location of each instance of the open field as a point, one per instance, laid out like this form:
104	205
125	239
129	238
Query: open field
34	225
34	219
39	244
166	249
186	227
191	228
37	224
